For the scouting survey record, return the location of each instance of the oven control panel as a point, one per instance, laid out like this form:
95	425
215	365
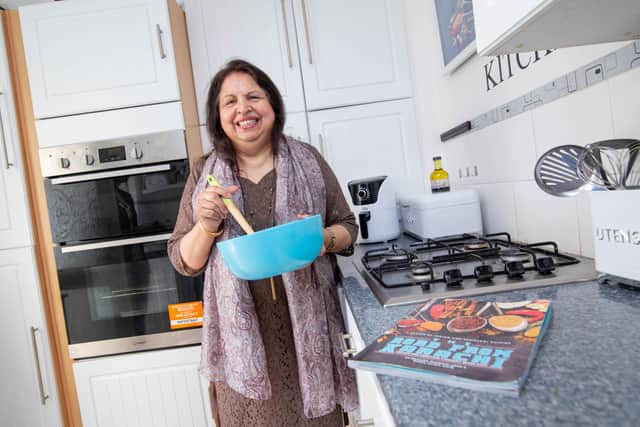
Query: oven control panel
110	154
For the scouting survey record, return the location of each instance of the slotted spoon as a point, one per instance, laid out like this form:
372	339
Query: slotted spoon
556	171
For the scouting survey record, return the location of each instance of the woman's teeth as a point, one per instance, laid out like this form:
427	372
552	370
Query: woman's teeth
247	123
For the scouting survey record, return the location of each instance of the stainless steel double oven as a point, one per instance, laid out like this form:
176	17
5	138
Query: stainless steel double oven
112	206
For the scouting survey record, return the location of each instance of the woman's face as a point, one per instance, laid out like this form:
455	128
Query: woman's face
246	114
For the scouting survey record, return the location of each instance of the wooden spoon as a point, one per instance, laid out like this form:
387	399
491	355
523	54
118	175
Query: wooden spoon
240	219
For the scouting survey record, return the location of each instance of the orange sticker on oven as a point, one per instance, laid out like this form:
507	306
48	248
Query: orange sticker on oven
185	315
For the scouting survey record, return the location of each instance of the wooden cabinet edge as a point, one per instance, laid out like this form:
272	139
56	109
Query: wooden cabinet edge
184	72
43	245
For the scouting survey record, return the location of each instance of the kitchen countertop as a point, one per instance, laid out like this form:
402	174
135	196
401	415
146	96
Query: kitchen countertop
587	370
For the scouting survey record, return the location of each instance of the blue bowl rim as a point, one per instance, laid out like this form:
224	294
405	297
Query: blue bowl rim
270	229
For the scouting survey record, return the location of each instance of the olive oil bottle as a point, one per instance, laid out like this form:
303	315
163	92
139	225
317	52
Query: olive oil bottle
439	177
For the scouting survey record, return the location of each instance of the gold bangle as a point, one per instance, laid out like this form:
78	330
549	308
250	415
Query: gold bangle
207	232
332	240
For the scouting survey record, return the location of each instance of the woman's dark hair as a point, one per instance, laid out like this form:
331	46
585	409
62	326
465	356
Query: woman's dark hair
221	141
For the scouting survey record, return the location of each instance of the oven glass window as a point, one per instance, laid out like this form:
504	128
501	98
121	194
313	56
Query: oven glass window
122	291
113	207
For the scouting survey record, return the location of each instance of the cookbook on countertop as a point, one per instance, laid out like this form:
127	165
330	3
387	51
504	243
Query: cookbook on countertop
480	345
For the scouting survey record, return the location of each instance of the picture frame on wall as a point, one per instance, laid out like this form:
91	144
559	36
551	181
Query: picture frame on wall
457	32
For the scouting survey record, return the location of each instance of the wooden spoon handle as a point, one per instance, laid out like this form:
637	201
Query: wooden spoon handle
233	209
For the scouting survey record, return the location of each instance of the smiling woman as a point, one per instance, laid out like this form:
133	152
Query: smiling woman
271	361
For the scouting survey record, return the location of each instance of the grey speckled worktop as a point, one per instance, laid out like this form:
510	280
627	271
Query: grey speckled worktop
586	373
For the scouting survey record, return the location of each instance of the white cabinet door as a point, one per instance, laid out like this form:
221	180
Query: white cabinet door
352	52
373	409
155	388
296	126
370	140
15	225
259	31
93	55
27	391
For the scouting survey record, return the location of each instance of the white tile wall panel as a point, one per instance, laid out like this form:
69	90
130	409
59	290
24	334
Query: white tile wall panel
497	202
585	225
625	104
503	152
580	118
543	217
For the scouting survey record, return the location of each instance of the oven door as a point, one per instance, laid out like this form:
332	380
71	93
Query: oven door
116	296
115	203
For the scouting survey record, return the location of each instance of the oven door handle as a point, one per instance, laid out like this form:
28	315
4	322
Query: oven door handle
114	243
111	174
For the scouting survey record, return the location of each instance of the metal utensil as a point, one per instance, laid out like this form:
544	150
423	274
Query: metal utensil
611	164
556	171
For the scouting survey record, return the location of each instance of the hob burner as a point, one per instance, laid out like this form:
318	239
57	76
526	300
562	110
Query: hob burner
475	245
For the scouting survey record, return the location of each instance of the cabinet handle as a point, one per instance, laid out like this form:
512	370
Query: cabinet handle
43	394
346	351
286	32
160	42
5	152
321	139
306	30
353	421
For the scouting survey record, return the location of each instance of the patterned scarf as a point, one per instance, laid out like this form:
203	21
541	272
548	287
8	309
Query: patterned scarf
232	348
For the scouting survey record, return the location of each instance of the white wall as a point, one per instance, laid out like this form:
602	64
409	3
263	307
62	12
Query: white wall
505	153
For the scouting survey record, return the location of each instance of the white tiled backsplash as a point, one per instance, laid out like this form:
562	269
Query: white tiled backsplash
511	199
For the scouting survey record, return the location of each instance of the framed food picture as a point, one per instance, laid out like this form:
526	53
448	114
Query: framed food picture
457	32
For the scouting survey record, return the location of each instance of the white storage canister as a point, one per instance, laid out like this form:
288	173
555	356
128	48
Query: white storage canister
442	214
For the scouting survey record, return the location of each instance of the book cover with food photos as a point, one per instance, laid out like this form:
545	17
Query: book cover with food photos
479	345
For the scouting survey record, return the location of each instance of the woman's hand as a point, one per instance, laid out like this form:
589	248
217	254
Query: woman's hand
210	210
328	236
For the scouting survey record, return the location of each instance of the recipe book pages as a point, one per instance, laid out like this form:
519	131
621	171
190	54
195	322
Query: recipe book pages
479	345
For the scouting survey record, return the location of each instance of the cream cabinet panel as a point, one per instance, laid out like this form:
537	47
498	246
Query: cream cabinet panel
15	225
352	52
373	409
506	26
94	55
369	140
259	31
155	388
28	395
296	126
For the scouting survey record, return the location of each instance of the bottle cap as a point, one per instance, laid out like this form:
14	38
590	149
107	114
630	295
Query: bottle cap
437	158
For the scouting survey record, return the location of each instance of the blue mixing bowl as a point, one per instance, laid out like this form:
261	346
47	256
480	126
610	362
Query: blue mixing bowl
275	250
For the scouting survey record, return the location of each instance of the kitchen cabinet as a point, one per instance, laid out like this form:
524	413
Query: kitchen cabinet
369	140
373	408
144	389
15	225
96	55
506	26
352	52
257	30
28	394
320	54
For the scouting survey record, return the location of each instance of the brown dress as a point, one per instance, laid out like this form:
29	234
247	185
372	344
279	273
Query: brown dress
285	406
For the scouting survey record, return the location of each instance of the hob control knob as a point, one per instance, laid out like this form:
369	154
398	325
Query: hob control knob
64	163
89	159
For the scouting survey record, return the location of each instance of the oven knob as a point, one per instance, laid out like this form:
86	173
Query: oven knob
137	152
64	163
89	159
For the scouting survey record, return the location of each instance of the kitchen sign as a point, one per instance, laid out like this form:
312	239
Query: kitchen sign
503	67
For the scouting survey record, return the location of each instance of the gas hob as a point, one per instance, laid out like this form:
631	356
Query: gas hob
408	270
